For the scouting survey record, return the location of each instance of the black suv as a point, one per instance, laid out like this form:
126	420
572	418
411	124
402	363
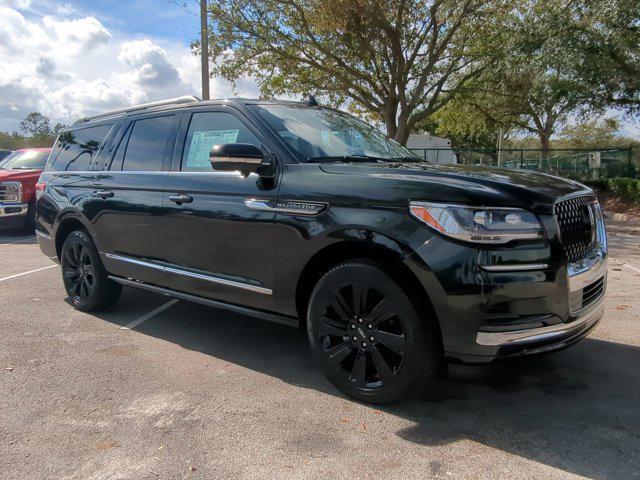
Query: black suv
306	215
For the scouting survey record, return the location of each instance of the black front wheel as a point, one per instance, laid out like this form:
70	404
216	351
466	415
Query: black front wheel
370	339
85	279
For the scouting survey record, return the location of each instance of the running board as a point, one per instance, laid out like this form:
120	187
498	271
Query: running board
271	317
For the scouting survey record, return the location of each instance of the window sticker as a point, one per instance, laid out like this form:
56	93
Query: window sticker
201	144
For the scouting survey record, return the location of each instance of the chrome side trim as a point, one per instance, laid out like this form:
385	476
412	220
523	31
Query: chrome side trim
523	267
186	273
220	281
135	261
261	205
495	339
293	207
272	317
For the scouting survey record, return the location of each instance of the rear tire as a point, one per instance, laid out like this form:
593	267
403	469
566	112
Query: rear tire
370	339
85	279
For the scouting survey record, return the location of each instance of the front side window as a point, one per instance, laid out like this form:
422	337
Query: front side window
315	133
25	160
207	129
76	148
147	144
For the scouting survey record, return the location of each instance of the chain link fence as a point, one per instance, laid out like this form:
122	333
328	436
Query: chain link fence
581	164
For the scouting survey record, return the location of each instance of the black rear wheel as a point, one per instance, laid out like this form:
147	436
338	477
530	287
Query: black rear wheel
85	279
371	341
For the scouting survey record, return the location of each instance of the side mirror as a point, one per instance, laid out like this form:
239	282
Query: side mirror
233	157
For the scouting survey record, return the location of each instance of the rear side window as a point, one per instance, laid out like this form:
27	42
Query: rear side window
147	145
76	148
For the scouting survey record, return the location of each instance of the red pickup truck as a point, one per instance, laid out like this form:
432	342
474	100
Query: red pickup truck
19	173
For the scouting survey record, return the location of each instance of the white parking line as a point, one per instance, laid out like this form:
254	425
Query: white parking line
630	267
26	273
149	315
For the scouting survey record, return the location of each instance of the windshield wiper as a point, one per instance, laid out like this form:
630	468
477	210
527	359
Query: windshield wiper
344	159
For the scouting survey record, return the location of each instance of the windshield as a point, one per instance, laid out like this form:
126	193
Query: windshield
25	160
315	133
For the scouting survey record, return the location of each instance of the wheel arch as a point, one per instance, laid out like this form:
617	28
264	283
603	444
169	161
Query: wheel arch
391	259
68	222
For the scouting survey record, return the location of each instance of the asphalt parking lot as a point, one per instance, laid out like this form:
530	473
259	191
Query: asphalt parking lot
157	388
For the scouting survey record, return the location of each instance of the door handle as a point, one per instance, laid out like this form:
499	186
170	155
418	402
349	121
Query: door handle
102	194
180	199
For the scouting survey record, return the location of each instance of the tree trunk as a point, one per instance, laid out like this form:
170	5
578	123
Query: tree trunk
404	127
544	142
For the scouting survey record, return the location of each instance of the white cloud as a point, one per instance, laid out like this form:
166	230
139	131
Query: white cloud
148	63
66	66
80	35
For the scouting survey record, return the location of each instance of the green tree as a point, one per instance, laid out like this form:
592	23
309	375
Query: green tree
35	125
603	41
559	59
395	61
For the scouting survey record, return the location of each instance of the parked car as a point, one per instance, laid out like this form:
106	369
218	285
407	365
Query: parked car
305	215
4	153
19	173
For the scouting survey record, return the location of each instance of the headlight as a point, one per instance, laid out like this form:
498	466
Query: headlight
10	192
478	224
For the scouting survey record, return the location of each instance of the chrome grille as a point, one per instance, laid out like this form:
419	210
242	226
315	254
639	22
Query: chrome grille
10	192
586	296
577	223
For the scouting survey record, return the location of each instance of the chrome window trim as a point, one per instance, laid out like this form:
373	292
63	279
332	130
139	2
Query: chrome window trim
186	273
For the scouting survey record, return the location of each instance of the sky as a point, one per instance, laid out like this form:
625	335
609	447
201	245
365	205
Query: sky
67	59
71	58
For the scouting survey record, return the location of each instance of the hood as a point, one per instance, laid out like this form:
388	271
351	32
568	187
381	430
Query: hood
491	186
19	175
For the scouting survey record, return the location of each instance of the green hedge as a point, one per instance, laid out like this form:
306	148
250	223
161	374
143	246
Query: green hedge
627	189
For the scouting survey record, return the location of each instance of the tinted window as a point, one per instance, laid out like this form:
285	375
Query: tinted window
148	143
25	160
315	133
208	129
76	148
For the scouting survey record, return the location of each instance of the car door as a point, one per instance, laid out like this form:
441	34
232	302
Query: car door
219	247
127	217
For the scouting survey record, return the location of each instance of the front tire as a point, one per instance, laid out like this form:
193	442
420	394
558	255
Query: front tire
85	279
30	219
371	341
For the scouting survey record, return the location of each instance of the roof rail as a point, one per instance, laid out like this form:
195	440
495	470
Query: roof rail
144	106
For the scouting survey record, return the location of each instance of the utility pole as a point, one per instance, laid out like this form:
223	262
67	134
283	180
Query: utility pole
204	49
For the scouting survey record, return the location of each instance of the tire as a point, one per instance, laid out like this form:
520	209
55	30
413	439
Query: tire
30	219
368	336
84	277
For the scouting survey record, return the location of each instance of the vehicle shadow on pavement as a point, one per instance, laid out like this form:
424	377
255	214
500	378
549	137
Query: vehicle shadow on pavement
16	237
577	410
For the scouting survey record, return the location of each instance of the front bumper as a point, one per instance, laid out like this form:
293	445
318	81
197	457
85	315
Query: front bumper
13	210
540	339
584	316
13	215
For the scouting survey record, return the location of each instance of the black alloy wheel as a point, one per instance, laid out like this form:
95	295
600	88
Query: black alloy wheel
363	335
371	341
85	279
78	272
